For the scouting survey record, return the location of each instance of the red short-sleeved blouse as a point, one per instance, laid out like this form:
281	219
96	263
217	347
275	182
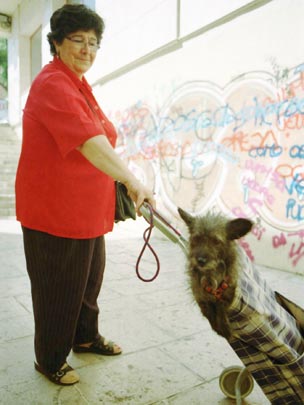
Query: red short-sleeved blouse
58	190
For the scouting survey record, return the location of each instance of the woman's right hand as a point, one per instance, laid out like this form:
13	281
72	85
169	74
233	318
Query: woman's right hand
140	193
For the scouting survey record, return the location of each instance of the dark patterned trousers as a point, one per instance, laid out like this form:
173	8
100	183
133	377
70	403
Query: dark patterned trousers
66	277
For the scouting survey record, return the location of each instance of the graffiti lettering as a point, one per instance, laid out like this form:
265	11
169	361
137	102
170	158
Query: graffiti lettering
279	240
244	142
278	181
285	170
257	167
294	210
296	252
237	142
288	112
294	122
258	231
297	185
253	185
271	151
297	151
253	202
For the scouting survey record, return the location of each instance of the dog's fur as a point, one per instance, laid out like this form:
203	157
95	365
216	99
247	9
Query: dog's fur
212	260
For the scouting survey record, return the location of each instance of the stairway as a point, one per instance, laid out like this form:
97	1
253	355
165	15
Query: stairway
10	146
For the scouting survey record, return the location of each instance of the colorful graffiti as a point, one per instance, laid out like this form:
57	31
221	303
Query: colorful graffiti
239	148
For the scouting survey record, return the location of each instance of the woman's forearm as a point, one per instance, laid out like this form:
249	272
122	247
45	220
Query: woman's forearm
101	154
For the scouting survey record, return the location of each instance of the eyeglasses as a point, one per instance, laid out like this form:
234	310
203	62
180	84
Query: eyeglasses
82	43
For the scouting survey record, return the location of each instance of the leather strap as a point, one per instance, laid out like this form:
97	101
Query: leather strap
146	237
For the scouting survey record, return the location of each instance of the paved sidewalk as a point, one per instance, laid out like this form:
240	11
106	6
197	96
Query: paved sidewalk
171	356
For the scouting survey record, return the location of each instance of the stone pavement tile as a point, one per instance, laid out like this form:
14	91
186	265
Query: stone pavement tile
10	242
71	397
134	332
40	391
127	270
16	327
26	301
10	227
11	245
144	300
162	299
131	330
139	378
21	384
178	320
11	308
205	353
132	285
119	256
109	294
209	393
78	361
17	361
12	261
10	268
114	272
14	286
169	254
128	229
175	320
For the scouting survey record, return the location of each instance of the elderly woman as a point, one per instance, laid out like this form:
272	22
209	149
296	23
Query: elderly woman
65	196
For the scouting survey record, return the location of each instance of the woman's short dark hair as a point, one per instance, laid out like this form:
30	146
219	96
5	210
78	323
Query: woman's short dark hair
71	18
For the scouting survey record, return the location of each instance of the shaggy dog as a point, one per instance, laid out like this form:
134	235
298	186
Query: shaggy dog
213	265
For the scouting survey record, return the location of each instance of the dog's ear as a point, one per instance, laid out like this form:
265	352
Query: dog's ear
236	228
187	218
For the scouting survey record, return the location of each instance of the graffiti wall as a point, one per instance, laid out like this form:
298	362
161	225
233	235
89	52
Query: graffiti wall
218	125
239	149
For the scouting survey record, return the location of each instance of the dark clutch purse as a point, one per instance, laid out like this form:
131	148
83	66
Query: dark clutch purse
124	207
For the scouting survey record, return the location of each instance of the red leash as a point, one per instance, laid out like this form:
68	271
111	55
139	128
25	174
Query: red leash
154	218
146	237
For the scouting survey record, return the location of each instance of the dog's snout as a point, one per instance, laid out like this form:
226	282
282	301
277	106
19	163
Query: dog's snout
201	260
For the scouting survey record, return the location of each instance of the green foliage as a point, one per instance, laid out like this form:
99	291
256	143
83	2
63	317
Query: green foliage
3	62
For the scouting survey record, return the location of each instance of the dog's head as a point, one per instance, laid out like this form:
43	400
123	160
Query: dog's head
212	250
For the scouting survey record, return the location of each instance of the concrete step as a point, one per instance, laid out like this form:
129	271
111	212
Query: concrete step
8	153
7	148
7	199
10	161
8	136
6	143
8	167
7	212
7	206
10	147
7	174
7	187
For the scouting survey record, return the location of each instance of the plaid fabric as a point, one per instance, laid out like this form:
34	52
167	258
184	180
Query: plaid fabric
267	338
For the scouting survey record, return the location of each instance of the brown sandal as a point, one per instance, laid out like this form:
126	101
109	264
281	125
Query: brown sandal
58	377
98	347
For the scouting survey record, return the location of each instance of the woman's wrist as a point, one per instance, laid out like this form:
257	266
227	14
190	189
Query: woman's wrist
131	181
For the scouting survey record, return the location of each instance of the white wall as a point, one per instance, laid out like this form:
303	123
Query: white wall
245	71
28	17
